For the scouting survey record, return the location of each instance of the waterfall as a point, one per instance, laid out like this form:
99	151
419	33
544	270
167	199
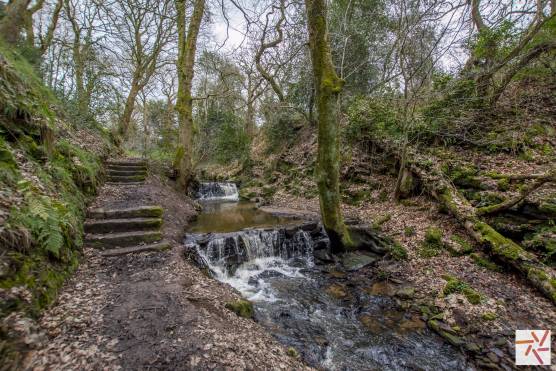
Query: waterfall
223	253
218	191
246	259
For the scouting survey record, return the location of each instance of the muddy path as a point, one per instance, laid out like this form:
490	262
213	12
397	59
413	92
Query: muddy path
152	311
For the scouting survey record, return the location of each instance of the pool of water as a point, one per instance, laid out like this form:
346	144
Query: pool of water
222	217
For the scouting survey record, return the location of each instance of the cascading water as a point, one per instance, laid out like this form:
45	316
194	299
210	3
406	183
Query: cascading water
218	191
332	318
244	259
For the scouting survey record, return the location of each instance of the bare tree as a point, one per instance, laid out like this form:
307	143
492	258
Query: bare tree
187	47
143	29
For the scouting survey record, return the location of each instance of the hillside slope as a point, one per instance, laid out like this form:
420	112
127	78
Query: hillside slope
49	169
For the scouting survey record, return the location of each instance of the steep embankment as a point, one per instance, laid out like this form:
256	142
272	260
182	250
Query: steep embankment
465	285
49	169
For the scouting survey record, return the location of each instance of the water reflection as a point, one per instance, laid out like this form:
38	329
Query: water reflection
222	217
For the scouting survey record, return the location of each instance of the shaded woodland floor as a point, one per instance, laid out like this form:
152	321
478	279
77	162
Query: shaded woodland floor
149	310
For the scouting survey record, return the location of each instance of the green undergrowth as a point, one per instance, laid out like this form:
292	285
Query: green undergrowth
432	244
43	231
46	181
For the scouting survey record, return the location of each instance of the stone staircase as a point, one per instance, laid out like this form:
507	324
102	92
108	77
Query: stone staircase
125	231
131	171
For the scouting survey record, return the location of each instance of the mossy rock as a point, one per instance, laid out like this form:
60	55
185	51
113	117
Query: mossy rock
454	285
241	307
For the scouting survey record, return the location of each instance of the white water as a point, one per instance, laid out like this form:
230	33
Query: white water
218	191
265	254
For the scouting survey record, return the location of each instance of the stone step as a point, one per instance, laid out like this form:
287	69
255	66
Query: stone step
126	179
124	239
124	184
126	167
159	246
147	211
137	162
121	225
131	172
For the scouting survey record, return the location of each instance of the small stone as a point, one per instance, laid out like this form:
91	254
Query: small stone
473	347
493	357
355	261
499	342
337	291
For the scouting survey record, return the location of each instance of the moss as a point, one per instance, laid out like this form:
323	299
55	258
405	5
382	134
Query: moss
472	296
463	175
503	185
409	231
485	263
292	352
489	316
432	244
241	307
381	220
433	235
398	252
464	246
456	286
500	245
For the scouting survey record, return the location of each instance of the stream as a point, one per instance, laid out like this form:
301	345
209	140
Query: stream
336	320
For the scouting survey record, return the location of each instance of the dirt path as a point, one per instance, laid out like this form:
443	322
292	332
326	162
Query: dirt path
151	310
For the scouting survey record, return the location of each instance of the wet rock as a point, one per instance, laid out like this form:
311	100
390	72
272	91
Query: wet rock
323	257
366	238
382	288
371	323
337	291
356	260
413	324
337	274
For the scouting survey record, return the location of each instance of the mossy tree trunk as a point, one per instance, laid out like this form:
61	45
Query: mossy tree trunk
327	88
187	46
125	120
14	20
501	248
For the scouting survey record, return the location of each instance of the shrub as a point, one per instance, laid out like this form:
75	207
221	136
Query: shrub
371	118
281	129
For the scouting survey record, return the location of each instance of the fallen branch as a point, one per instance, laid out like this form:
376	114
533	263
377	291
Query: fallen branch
526	191
501	248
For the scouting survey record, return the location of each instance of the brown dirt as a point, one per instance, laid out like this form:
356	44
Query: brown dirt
150	310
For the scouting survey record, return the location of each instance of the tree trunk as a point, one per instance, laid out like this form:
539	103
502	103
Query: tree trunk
47	40
501	248
250	112
184	104
14	20
125	121
327	88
